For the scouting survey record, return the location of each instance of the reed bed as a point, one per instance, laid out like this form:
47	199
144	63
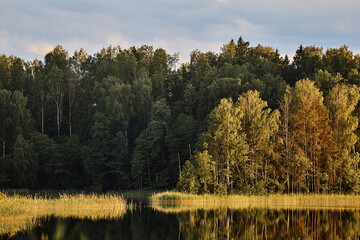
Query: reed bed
137	194
20	212
176	208
294	200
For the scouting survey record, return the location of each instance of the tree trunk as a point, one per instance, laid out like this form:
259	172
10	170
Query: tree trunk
227	227
284	107
58	119
292	182
60	114
42	119
179	165
59	105
70	108
214	177
179	236
70	125
227	156
126	138
148	163
265	169
141	181
227	171
72	92
42	96
288	182
4	146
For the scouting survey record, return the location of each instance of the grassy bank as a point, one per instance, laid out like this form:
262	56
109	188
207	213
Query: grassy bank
20	212
309	200
138	194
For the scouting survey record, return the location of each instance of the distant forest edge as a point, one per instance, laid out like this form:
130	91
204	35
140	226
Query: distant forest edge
245	120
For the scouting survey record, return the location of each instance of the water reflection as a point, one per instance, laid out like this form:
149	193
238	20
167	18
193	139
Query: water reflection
163	222
141	223
265	223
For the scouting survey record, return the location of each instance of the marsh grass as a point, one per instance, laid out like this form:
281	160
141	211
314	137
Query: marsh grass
21	212
138	194
175	201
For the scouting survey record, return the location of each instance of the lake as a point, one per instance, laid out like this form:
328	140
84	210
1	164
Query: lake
198	222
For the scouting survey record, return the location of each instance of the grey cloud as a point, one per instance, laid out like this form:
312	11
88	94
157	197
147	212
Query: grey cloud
282	24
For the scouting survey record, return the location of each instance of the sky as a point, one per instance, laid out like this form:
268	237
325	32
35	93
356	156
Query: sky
30	29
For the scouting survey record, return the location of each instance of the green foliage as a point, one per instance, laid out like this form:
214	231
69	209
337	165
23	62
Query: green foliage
160	111
72	163
339	60
204	166
225	141
142	89
134	116
188	182
158	72
116	101
307	60
96	165
228	53
342	102
274	89
180	140
49	156
242	48
15	118
148	159
224	88
325	81
310	128
259	124
58	57
25	163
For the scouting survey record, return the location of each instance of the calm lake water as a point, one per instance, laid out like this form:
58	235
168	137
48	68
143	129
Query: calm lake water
174	222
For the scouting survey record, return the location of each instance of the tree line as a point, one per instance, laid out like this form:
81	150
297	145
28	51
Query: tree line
245	120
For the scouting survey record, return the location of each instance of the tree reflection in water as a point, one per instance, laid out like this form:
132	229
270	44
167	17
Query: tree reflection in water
268	223
205	222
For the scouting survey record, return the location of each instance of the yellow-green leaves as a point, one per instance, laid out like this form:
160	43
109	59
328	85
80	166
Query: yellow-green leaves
259	124
341	102
311	132
238	146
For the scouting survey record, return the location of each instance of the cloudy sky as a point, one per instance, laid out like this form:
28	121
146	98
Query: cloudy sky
30	29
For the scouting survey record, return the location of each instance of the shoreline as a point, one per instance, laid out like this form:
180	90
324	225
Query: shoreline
20	212
315	200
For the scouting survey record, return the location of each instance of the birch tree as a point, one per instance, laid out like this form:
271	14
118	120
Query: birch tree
57	90
312	134
74	76
225	142
341	102
259	124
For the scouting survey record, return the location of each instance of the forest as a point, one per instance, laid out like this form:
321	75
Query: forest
245	120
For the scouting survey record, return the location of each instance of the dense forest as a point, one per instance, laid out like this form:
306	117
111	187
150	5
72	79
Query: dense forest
245	120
